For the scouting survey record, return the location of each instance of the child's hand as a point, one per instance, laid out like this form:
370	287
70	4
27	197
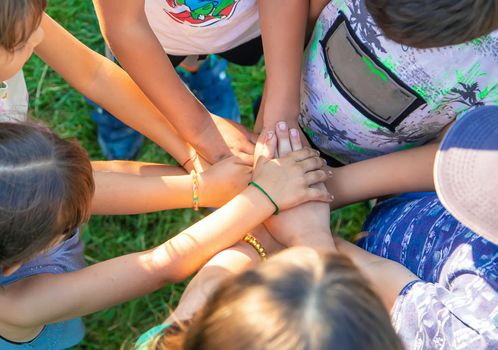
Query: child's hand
307	224
224	180
224	138
287	180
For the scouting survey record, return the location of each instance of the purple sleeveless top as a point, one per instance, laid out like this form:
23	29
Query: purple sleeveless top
65	257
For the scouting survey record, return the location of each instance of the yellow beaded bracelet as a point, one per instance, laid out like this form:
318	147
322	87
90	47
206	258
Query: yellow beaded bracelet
195	189
250	239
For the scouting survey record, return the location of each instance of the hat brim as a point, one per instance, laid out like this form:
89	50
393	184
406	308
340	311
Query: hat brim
466	171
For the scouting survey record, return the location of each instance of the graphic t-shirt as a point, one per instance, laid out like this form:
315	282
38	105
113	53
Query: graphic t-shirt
14	99
455	304
196	27
363	95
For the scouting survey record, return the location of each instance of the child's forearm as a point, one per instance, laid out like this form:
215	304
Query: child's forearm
223	265
112	86
161	84
126	187
128	32
226	263
108	85
218	231
52	298
126	29
404	171
386	277
283	28
127	194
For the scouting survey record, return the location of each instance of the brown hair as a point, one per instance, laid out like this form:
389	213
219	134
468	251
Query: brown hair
434	23
18	20
322	303
46	188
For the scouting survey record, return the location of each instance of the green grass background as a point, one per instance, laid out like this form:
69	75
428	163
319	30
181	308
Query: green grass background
65	110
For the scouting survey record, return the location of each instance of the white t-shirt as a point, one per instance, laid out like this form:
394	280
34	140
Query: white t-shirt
197	27
14	99
363	95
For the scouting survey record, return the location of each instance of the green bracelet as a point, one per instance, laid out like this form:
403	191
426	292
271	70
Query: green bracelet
277	209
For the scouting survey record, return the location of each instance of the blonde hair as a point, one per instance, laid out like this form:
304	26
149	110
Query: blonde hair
318	303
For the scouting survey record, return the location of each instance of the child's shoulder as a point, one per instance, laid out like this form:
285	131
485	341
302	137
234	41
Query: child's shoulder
67	256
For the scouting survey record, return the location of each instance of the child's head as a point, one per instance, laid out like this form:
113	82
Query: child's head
296	300
434	23
19	33
46	187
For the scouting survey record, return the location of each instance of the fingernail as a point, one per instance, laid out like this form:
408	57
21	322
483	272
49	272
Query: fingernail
332	197
330	173
293	132
269	135
282	125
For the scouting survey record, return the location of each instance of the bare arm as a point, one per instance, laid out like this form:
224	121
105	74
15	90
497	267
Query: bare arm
387	277
44	299
125	27
283	28
50	298
108	85
405	171
226	263
124	187
308	224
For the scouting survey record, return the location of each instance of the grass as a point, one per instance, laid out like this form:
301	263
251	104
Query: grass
67	113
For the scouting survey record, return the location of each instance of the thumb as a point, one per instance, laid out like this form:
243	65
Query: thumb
269	145
266	146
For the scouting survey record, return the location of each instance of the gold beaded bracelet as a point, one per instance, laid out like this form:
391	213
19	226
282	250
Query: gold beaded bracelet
250	239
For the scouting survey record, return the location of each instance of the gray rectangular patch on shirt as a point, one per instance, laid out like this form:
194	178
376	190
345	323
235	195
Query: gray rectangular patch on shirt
364	80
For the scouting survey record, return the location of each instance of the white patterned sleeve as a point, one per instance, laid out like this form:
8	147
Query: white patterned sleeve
430	316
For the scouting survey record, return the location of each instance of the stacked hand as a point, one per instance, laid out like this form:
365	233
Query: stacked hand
224	180
309	223
293	179
229	146
289	179
224	138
